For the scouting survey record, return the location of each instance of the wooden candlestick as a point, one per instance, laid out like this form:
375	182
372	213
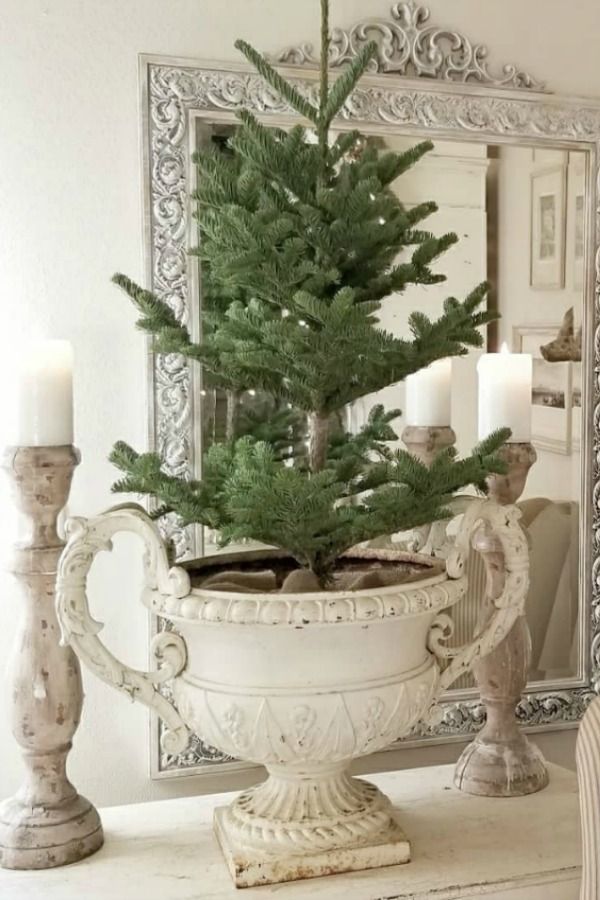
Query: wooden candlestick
426	441
46	823
502	761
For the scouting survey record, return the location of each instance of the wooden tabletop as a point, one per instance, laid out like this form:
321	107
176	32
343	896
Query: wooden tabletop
518	849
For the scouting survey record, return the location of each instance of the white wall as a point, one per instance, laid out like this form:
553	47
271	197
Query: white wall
555	475
70	215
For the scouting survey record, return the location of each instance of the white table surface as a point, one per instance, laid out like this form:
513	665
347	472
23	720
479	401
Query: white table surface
519	849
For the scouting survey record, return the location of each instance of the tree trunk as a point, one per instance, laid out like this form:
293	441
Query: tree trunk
318	440
232	402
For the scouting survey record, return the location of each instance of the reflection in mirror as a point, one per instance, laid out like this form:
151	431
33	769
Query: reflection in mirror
540	198
227	414
520	215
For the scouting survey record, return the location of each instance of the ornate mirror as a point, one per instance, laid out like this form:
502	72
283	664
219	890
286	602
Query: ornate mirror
513	172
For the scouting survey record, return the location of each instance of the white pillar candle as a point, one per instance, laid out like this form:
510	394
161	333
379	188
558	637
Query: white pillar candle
428	395
44	395
505	394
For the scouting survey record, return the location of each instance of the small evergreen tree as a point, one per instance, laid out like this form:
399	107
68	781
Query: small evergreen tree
299	241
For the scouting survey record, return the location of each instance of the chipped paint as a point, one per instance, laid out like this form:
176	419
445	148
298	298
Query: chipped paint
46	823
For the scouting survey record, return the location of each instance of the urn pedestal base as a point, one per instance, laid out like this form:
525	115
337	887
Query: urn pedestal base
252	870
51	836
296	826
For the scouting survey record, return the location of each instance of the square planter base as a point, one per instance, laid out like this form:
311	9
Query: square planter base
250	869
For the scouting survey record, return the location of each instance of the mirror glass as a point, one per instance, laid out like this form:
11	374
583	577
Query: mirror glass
520	214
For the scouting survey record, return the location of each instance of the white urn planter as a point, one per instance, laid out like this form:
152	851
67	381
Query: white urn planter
301	683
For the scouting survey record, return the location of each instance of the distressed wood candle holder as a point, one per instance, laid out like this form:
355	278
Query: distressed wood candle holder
46	823
502	761
426	441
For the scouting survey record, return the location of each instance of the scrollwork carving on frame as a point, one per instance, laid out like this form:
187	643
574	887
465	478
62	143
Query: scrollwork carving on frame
177	92
408	45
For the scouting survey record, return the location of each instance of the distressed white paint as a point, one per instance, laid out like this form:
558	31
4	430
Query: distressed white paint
168	850
243	676
46	823
70	182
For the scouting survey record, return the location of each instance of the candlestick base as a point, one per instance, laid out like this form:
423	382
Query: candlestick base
506	768
42	838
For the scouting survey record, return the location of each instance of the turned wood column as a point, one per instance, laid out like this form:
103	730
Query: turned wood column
426	441
46	823
502	761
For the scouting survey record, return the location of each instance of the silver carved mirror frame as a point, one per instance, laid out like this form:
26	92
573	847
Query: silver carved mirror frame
425	78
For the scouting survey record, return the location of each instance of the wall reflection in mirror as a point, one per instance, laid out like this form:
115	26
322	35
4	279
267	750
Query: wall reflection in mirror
519	212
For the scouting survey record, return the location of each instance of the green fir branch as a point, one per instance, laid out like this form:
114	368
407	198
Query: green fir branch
159	320
346	82
277	82
299	244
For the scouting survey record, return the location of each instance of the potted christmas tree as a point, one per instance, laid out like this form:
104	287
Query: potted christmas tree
305	656
300	240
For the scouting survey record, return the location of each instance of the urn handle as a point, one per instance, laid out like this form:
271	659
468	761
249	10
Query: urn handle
503	524
85	539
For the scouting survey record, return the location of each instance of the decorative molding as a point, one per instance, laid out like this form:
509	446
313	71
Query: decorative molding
357	812
408	45
319	727
175	93
222	607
